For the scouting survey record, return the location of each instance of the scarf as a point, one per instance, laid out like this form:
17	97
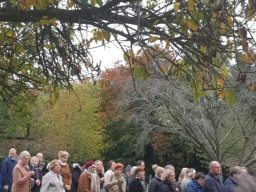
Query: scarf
64	164
95	180
95	183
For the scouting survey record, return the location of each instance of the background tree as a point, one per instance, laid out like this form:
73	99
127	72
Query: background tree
72	123
124	133
209	125
120	137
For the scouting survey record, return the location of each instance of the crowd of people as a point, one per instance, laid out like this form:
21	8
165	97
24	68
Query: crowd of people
31	174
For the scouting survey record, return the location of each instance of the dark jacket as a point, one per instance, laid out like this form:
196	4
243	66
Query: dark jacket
154	184
7	167
135	185
166	186
213	184
195	187
76	172
38	175
230	184
128	180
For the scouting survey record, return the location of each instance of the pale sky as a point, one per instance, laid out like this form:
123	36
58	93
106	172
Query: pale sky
108	56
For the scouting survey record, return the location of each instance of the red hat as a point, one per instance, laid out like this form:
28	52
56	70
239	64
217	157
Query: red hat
119	165
88	164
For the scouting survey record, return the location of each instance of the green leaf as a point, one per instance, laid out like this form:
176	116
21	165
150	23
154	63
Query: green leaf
229	98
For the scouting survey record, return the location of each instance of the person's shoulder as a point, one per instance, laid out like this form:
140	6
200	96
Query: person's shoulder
108	173
5	159
229	181
192	183
48	174
208	177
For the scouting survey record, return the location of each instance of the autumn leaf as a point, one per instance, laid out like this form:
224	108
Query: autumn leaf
229	97
176	7
230	22
191	4
192	24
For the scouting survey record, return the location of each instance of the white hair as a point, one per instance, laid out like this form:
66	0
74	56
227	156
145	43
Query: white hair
24	153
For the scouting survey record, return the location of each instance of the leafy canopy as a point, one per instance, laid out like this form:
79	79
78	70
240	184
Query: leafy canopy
46	43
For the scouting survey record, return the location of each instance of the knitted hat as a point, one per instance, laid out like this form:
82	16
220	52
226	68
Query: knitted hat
119	165
88	164
128	168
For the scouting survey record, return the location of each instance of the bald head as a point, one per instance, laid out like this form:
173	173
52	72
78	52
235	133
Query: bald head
215	168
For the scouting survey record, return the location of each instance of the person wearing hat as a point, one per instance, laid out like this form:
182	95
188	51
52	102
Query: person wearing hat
136	185
89	180
127	176
52	181
117	182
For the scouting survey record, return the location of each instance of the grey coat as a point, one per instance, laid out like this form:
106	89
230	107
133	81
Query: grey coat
52	182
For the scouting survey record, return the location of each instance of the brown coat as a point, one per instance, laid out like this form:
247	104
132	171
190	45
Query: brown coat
66	174
21	179
84	183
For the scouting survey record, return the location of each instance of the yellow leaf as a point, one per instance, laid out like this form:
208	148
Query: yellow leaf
230	21
70	4
214	15
247	58
221	94
203	48
220	82
229	97
152	38
191	4
224	72
11	34
176	7
192	24
42	4
222	28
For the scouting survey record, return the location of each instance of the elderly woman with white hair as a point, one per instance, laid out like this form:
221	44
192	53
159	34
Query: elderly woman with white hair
65	170
21	174
52	181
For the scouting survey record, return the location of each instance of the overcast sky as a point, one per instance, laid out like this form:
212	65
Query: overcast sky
108	56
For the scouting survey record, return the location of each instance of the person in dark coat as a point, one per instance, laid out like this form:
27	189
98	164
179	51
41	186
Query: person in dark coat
136	184
156	181
127	176
234	175
7	167
197	185
76	172
37	177
213	182
169	183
